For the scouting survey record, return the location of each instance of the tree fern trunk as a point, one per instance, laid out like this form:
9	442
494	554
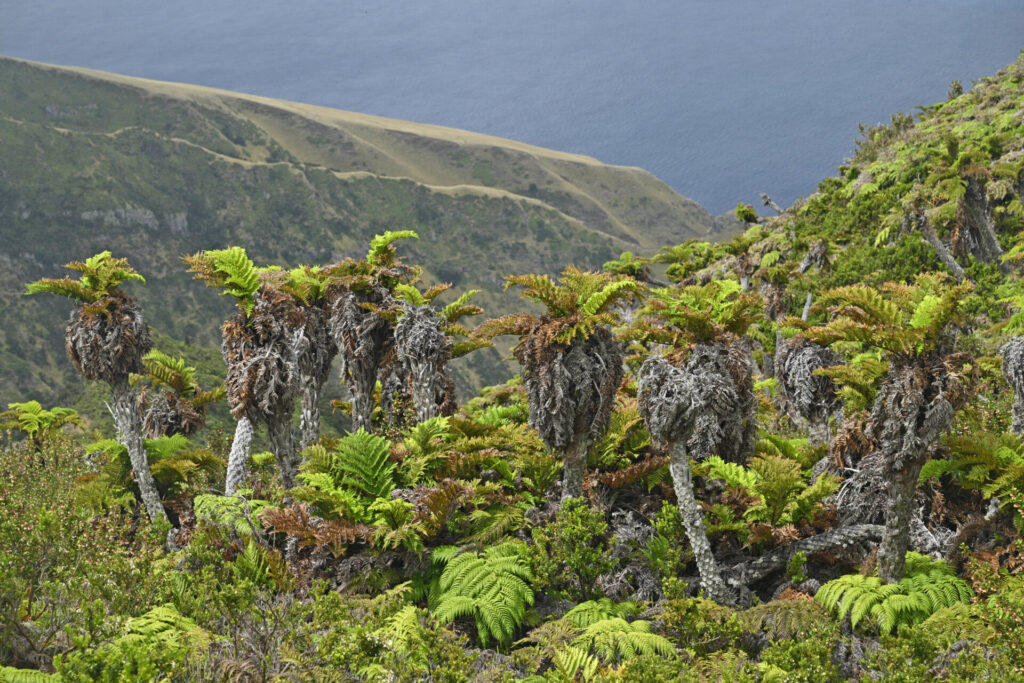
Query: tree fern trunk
979	214
807	307
424	390
239	457
282	443
129	433
818	431
892	550
309	424
693	522
362	379
943	253
832	540
575	467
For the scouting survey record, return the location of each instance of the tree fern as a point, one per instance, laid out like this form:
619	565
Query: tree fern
234	513
229	269
8	674
101	274
927	586
36	422
382	253
592	611
492	588
614	640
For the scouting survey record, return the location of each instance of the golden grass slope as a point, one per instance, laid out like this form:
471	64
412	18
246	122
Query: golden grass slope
626	203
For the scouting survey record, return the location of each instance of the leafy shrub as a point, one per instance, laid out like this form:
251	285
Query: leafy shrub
807	660
572	551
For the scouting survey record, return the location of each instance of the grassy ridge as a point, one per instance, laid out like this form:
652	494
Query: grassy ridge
151	170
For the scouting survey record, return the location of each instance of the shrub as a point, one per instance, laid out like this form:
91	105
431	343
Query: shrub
572	552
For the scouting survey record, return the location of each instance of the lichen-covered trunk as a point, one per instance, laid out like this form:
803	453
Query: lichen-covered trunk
979	215
818	432
129	433
309	421
363	377
424	390
282	444
693	523
575	467
940	248
1013	369
238	459
892	550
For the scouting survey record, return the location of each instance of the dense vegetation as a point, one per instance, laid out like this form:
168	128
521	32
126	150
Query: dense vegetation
800	457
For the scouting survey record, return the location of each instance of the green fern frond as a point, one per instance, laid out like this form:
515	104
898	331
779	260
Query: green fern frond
229	269
614	639
592	611
927	586
609	294
381	252
493	588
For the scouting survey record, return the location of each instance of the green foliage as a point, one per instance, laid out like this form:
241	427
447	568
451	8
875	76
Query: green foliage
235	513
808	660
745	213
614	639
492	588
101	275
67	573
382	254
155	645
37	423
590	612
9	674
629	264
986	462
175	374
906	321
858	379
229	269
927	586
571	552
695	625
778	484
697	313
575	305
346	479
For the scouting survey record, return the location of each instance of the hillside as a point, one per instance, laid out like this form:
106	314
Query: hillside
151	170
801	460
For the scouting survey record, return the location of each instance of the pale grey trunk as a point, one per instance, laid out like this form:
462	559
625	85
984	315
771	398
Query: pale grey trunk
693	523
362	380
129	433
892	550
424	390
1013	369
1017	423
575	467
807	307
840	538
238	459
309	422
979	213
933	239
282	444
818	432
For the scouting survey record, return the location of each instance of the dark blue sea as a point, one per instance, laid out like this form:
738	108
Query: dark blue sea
721	99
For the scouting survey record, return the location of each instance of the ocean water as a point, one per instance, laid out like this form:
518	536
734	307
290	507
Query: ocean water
721	99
